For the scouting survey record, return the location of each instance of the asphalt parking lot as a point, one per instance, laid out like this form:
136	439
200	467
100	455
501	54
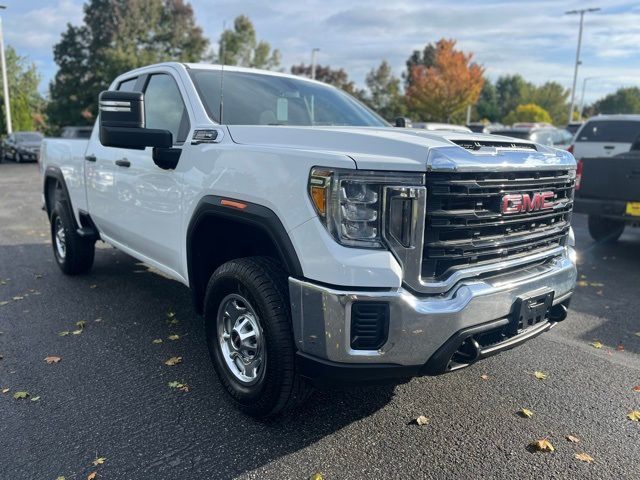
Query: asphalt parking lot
108	396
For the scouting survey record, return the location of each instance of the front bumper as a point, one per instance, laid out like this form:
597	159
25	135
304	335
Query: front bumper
420	327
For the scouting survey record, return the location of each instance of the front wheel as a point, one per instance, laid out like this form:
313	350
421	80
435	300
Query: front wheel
73	253
248	324
604	229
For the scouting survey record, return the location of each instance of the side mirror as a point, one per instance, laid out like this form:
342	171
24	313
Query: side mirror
403	122
122	122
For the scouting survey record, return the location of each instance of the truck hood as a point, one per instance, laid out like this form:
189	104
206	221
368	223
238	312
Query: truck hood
407	149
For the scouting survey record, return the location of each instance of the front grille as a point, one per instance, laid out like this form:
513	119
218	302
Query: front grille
465	227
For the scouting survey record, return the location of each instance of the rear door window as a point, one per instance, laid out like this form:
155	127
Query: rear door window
613	131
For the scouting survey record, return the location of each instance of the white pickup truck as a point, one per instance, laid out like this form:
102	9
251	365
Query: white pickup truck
322	245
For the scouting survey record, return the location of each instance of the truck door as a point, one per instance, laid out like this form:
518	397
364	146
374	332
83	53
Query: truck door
99	171
148	199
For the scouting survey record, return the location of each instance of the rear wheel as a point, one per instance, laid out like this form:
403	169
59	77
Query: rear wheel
18	157
73	253
604	229
249	336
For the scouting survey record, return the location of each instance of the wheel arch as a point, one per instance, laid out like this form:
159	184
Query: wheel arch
222	229
52	178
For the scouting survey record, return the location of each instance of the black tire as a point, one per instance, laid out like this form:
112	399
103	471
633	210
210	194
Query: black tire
263	283
605	230
18	157
78	252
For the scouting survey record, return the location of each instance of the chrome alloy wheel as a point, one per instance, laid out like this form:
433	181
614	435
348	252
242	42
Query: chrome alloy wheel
241	339
60	239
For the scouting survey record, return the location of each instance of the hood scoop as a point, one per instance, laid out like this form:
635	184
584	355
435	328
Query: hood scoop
475	145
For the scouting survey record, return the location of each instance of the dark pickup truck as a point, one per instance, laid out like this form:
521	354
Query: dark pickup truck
608	190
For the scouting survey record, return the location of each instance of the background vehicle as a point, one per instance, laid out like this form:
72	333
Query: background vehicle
320	244
543	134
573	127
608	190
76	132
606	136
22	146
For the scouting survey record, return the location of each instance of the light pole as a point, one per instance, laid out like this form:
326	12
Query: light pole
313	62
5	84
584	88
575	70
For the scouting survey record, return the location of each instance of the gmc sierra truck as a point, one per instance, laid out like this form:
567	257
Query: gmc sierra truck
322	245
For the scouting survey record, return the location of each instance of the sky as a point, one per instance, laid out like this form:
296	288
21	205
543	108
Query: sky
531	37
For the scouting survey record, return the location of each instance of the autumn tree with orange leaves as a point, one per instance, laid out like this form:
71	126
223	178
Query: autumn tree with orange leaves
442	91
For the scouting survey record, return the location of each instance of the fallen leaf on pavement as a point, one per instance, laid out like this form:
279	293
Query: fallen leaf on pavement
584	457
484	376
316	476
634	416
64	333
61	478
18	297
38	275
157	340
543	445
620	347
572	439
52	359
524	413
92	475
183	387
93	286
5	390
582	283
421	420
77	332
35	399
20	395
173	361
596	344
174	337
540	375
98	461
637	334
597	284
4	302
81	324
636	388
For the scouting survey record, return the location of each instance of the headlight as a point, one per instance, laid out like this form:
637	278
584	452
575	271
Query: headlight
351	203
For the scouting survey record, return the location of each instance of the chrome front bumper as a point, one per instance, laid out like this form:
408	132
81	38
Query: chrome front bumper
419	325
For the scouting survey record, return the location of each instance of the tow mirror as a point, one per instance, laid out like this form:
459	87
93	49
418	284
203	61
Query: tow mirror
122	122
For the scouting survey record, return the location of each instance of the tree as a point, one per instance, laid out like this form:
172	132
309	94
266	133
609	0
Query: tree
488	107
511	89
623	100
336	77
552	97
240	47
25	102
384	92
529	112
116	36
444	90
425	58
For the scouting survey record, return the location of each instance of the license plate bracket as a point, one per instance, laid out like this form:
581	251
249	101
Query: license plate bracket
530	310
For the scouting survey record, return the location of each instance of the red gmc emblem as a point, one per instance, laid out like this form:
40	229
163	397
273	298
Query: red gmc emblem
524	203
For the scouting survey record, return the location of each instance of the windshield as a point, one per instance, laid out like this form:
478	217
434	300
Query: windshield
259	99
28	137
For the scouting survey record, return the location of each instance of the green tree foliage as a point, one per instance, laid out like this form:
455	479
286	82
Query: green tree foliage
510	89
239	46
25	102
116	36
336	77
529	112
488	106
425	58
385	96
552	97
623	100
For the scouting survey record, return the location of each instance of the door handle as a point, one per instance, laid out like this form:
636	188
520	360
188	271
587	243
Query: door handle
123	162
609	147
90	158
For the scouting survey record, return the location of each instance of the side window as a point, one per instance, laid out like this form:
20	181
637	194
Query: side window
127	85
164	108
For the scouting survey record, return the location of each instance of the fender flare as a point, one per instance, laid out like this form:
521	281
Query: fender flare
251	214
56	173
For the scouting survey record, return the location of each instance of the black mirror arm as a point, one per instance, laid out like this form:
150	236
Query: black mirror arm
166	158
